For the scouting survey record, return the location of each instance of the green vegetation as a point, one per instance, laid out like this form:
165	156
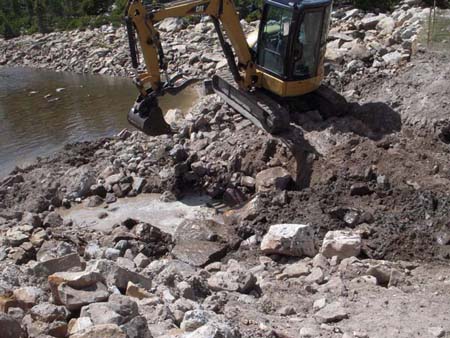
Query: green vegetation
30	16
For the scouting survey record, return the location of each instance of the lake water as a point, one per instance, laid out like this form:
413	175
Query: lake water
42	110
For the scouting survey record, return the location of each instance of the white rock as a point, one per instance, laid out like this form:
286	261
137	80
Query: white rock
392	58
289	239
386	25
173	116
342	244
171	24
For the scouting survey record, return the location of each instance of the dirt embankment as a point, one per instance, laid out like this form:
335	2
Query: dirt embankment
360	251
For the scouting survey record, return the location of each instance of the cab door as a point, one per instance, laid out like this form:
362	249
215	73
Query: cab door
273	42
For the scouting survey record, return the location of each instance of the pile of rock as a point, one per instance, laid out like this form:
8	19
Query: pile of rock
120	287
358	39
361	42
105	50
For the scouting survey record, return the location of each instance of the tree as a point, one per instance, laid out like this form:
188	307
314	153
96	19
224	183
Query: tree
39	10
6	29
95	7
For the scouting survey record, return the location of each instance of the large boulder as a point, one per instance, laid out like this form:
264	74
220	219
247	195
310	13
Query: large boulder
79	180
341	243
289	239
276	178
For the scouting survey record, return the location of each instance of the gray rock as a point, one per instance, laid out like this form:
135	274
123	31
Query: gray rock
316	276
331	313
215	330
276	178
137	328
196	318
172	25
199	252
53	219
286	311
392	58
15	238
341	243
101	331
386	25
51	266
31	219
289	239
75	299
141	260
437	331
309	332
28	296
112	254
118	310
117	276
298	269
235	279
371	22
79	181
93	201
77	325
47	312
10	328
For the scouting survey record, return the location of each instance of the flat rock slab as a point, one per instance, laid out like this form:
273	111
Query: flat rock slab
51	266
114	275
145	208
74	299
199	253
101	331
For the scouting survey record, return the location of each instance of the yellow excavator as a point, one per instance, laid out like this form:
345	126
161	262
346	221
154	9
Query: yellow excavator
269	72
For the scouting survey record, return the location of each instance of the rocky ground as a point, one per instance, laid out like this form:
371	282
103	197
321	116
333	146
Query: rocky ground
345	235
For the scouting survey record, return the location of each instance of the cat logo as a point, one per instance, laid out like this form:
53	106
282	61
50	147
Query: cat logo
199	9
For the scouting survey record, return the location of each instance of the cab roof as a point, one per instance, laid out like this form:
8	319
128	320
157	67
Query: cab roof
299	3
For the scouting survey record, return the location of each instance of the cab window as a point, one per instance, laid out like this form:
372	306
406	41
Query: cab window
272	49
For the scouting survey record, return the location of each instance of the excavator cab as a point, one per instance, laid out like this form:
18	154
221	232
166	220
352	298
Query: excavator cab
291	45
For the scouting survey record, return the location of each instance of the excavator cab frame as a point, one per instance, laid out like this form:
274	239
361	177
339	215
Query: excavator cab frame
292	35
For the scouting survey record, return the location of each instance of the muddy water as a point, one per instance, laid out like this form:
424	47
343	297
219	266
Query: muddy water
146	208
40	111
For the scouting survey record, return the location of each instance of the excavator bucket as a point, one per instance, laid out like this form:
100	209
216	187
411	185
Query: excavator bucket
146	114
